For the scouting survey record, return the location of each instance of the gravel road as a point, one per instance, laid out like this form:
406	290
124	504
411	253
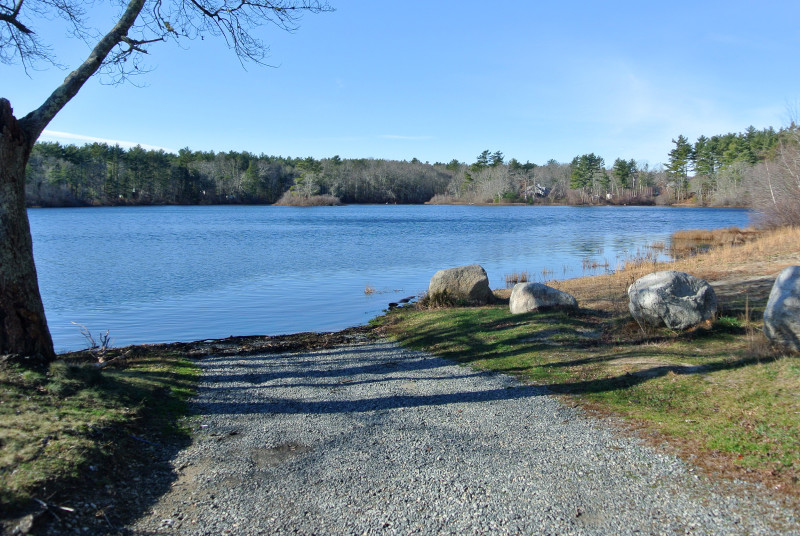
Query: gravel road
375	439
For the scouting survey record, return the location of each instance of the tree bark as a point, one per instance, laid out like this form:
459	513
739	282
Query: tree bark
23	327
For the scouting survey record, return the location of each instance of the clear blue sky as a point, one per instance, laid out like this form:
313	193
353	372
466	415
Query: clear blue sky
438	80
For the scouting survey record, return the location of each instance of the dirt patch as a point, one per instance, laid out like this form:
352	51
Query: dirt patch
754	288
649	367
268	457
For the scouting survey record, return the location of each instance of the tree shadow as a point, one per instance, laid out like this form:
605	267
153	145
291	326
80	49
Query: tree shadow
405	370
127	467
628	380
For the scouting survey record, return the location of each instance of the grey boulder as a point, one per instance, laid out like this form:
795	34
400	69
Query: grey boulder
527	297
469	284
673	299
782	315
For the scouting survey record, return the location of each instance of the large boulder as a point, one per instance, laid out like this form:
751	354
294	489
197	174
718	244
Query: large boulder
527	297
673	299
782	315
468	284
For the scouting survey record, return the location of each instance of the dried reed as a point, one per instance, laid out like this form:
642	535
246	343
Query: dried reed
517	277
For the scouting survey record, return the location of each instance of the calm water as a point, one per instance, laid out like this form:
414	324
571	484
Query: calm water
156	274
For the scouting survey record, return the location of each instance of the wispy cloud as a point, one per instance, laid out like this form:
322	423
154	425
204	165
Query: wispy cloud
406	138
68	137
630	110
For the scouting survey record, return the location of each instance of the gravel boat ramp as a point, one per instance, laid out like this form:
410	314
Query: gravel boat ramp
372	438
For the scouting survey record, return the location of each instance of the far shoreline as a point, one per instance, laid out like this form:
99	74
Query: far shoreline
512	204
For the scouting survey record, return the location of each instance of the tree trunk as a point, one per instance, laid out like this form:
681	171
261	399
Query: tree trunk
23	327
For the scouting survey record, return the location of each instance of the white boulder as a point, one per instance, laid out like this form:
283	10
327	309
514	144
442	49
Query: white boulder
527	297
782	315
468	284
673	299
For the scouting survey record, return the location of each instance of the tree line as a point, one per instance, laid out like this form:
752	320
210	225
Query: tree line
101	174
721	170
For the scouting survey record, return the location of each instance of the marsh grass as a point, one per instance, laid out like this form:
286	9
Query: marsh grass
56	423
693	241
517	277
718	393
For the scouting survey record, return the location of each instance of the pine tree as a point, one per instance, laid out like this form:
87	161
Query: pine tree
678	168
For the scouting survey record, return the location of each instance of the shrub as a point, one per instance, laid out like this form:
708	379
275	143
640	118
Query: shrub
292	199
439	300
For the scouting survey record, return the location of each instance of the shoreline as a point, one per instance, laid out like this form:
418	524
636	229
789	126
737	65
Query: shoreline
427	203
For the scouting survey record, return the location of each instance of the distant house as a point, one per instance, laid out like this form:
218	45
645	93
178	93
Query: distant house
537	190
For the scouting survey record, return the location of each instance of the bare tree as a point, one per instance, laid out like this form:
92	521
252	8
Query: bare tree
775	187
117	52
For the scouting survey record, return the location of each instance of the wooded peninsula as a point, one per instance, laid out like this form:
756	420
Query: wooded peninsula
745	169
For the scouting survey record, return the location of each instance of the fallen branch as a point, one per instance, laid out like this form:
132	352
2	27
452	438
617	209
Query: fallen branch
122	357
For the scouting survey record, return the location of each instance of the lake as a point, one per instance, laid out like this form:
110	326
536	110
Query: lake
161	274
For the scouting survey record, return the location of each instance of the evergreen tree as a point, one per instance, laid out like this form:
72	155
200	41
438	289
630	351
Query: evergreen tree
482	161
587	171
703	157
623	171
496	159
678	168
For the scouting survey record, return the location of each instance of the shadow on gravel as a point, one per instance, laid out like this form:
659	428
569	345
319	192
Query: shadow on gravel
291	406
258	378
385	371
306	369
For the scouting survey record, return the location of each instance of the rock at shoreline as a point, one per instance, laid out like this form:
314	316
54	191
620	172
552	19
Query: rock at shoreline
468	284
673	299
782	315
527	297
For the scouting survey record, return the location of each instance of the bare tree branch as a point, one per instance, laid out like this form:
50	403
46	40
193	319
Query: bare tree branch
37	120
11	18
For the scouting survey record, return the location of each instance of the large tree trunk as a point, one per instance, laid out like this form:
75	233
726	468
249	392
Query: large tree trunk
23	327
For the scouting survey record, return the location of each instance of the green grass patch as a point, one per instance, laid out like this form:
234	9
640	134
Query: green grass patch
720	393
55	424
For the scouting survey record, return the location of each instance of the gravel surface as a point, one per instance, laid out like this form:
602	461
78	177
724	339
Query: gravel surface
375	439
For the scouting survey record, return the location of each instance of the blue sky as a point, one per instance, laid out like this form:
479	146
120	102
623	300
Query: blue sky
443	80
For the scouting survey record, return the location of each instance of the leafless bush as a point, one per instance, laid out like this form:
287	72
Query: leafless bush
776	185
576	197
99	348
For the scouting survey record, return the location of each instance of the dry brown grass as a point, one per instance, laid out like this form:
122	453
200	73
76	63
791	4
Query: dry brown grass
692	241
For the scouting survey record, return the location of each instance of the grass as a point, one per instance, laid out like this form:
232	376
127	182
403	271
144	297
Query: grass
718	394
73	419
